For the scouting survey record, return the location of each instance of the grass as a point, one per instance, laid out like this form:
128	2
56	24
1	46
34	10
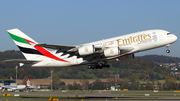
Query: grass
58	92
142	92
161	75
40	97
137	74
120	95
157	95
160	81
91	75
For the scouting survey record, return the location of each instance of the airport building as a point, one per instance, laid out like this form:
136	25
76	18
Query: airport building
7	82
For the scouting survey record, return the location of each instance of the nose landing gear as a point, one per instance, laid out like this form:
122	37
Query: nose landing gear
167	48
168	51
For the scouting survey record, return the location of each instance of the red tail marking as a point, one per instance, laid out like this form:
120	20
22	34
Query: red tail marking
45	52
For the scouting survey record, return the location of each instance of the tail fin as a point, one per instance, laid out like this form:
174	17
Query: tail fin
25	43
28	47
28	82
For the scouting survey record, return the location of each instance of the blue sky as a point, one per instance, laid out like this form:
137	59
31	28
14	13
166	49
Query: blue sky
73	22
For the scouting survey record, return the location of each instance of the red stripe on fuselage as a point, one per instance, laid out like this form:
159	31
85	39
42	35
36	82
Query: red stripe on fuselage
48	54
45	52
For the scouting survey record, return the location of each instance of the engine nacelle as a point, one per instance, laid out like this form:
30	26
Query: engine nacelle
112	52
86	50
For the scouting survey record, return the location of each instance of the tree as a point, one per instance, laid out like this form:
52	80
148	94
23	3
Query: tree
55	82
157	76
97	85
143	76
84	84
70	87
134	82
69	70
157	69
159	85
178	86
125	84
76	86
141	87
152	75
149	86
133	78
62	84
170	82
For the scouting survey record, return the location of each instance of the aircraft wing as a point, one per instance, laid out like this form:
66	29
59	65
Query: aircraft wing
69	49
61	47
99	50
22	61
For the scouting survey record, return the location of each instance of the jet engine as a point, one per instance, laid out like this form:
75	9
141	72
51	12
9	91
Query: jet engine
86	50
112	51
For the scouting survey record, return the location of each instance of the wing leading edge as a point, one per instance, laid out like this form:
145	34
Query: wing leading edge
22	61
62	47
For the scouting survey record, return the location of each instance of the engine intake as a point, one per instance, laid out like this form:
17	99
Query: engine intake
86	50
112	51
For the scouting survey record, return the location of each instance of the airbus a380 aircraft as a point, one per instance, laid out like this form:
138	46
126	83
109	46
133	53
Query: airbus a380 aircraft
95	54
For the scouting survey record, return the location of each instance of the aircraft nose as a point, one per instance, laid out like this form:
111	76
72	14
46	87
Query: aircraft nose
175	37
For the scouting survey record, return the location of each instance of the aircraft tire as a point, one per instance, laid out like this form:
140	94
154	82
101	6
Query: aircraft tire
89	66
107	66
168	51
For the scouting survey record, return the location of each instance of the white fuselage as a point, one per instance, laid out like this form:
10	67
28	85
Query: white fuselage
139	41
14	87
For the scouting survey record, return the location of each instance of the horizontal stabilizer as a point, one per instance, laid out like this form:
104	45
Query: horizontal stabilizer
22	61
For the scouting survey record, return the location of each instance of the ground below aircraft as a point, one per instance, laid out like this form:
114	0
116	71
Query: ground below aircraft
94	54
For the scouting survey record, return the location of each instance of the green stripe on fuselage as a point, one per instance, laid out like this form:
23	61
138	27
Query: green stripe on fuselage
18	39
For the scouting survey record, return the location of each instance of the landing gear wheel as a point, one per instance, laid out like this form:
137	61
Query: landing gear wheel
98	66
168	51
167	48
89	66
106	66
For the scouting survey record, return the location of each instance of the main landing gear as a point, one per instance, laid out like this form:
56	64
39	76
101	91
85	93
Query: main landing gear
98	65
167	48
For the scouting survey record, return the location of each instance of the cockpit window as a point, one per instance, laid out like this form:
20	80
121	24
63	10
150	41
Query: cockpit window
168	33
